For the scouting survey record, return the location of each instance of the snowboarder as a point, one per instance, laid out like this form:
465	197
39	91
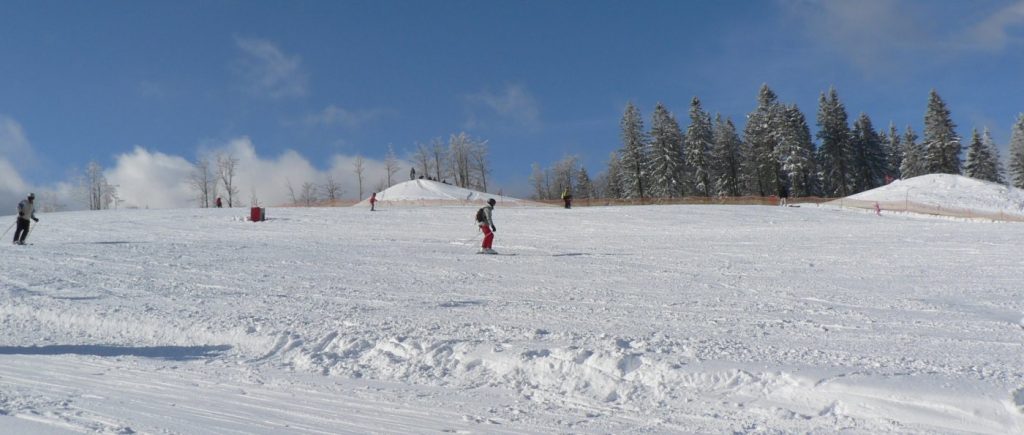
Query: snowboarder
567	197
485	221
373	200
26	211
219	204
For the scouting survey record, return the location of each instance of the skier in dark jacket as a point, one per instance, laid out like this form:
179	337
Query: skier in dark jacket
26	211
485	220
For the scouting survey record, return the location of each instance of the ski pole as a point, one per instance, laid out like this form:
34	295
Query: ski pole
9	228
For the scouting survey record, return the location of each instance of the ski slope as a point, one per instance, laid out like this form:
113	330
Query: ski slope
693	319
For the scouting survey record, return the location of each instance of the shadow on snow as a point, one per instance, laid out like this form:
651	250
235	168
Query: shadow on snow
178	353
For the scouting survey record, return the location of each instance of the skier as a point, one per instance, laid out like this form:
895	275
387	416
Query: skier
373	200
219	204
486	223
567	197
26	211
412	173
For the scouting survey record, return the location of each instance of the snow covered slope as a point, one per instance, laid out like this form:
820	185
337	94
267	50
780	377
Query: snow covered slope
951	191
708	319
426	192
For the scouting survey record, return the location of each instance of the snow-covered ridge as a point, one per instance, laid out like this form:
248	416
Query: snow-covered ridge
948	191
427	192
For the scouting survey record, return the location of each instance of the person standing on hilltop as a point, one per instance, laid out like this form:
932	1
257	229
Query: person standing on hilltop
373	200
485	220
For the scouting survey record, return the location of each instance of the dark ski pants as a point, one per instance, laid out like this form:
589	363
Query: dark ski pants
22	231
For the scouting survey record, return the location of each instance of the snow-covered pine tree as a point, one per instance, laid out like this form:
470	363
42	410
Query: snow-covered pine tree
727	158
761	135
666	154
796	152
868	157
834	156
697	145
982	158
613	179
635	163
941	143
997	161
584	187
1016	163
913	155
893	151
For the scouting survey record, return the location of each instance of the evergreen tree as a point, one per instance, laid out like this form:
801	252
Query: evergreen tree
666	154
834	156
727	158
698	143
941	143
912	164
982	158
635	163
796	151
894	152
761	135
868	157
613	179
1016	164
584	187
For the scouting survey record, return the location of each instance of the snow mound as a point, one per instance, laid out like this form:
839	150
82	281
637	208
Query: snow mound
948	191
427	192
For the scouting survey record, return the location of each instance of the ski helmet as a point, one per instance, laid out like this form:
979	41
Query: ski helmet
491	201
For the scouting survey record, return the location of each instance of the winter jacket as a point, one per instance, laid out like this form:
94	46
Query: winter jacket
487	216
26	210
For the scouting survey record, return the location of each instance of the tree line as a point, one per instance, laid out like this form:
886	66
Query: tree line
777	154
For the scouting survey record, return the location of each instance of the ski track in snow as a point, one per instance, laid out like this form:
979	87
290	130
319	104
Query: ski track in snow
615	319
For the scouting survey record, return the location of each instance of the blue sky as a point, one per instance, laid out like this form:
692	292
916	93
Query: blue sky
300	87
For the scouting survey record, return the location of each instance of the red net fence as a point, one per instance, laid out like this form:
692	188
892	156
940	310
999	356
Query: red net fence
882	206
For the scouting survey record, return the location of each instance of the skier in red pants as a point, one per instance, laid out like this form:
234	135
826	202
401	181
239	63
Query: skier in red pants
486	223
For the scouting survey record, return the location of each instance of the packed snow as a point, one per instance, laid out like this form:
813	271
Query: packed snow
683	318
950	191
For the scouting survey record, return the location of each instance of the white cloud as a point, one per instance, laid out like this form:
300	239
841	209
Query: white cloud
993	33
512	107
156	180
334	115
14	144
266	71
151	179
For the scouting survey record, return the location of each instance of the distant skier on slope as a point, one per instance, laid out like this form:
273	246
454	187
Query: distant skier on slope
485	221
373	200
567	197
26	211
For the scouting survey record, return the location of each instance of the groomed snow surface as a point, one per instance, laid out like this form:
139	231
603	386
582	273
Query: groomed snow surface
706	319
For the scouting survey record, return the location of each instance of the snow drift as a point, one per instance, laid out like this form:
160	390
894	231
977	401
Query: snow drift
426	192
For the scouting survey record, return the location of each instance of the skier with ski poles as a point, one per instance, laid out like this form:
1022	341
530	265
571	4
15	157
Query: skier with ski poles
26	211
485	221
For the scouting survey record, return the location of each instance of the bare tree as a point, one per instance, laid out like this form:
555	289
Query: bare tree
458	155
391	163
227	165
438	154
309	194
203	181
48	202
479	164
332	188
422	158
359	166
94	190
291	191
539	180
565	174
